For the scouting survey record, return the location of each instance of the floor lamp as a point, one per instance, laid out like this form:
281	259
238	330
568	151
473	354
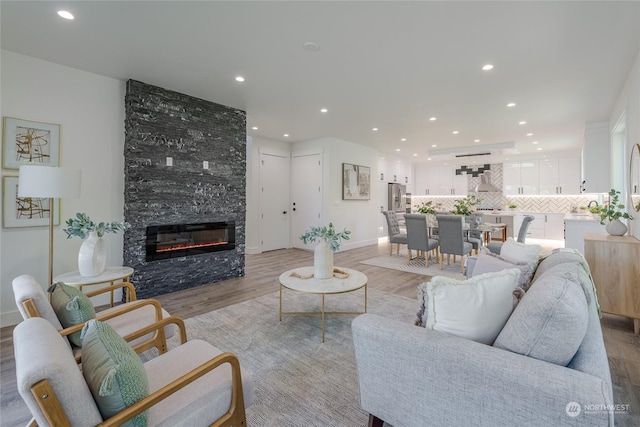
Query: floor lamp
48	182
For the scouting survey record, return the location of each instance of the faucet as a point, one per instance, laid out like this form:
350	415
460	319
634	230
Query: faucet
593	201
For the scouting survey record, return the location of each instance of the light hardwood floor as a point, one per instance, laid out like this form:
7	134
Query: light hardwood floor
261	277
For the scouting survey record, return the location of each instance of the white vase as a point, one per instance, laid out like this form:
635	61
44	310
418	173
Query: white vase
322	261
92	257
616	227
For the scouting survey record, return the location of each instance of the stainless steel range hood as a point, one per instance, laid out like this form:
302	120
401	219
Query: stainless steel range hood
485	185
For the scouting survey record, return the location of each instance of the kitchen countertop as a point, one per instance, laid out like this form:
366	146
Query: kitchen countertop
579	217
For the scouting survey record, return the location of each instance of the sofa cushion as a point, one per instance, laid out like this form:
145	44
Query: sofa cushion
550	321
113	371
488	262
476	308
520	252
72	307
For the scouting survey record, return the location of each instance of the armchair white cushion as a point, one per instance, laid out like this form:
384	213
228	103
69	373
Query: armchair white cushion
44	366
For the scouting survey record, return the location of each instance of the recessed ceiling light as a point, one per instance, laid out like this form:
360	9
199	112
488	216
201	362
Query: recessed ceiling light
311	46
433	119
65	14
428	158
323	110
529	134
403	139
375	129
476	140
255	128
522	123
415	154
239	79
397	149
511	104
434	145
455	132
286	135
534	142
539	149
487	67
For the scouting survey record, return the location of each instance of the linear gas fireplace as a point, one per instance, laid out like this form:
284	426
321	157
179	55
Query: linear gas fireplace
181	240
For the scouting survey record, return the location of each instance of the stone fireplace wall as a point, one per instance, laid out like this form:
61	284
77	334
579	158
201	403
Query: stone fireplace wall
169	137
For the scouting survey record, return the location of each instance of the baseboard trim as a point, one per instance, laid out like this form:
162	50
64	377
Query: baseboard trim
10	318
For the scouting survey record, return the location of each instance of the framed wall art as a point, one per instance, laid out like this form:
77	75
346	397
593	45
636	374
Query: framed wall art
25	211
29	142
356	182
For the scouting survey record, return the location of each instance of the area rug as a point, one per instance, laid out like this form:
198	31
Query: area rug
417	265
299	381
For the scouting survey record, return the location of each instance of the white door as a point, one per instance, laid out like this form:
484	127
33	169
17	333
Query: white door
274	201
306	195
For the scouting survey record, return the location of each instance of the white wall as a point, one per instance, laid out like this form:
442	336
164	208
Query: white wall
628	104
90	111
358	216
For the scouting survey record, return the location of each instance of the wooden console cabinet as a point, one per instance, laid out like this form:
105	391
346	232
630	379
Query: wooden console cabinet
615	267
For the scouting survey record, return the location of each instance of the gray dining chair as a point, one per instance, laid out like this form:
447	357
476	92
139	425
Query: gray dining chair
452	239
418	237
393	228
496	247
473	235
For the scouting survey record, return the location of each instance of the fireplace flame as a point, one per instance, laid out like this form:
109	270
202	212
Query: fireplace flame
189	246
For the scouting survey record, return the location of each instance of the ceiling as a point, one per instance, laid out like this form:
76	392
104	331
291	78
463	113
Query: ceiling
387	65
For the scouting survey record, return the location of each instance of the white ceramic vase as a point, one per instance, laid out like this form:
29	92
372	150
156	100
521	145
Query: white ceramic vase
92	257
616	227
322	261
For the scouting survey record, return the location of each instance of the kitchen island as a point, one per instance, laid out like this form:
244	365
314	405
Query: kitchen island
576	226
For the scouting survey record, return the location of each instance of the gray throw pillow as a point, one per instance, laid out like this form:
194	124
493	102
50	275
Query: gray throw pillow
72	308
113	371
550	321
488	262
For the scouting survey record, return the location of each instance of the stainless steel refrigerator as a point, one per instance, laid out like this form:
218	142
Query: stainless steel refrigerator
397	197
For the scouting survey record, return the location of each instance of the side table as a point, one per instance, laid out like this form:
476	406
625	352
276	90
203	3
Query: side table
110	275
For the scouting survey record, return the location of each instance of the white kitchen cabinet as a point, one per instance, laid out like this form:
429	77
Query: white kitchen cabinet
521	177
554	226
596	158
421	182
560	176
442	181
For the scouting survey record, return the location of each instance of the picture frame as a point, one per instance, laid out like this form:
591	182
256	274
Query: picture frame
29	142
25	211
356	182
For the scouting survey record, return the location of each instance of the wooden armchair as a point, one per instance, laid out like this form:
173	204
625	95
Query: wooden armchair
127	318
194	384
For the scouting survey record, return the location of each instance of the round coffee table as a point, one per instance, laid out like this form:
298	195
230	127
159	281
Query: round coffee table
301	280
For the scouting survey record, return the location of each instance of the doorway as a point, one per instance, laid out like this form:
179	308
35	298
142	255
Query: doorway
306	195
274	201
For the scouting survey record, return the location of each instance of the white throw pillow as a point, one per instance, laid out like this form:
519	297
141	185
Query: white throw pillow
520	252
476	309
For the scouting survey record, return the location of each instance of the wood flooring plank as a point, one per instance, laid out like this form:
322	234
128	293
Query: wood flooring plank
261	278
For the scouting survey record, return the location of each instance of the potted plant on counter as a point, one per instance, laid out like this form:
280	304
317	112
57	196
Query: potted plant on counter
328	242
611	214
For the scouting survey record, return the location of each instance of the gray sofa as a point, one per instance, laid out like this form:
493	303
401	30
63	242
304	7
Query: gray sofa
413	376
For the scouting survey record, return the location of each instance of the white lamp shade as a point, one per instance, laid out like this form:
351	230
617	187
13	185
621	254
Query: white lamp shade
48	181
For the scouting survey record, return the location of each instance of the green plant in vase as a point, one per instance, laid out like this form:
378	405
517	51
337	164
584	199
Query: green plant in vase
614	209
466	206
328	233
427	208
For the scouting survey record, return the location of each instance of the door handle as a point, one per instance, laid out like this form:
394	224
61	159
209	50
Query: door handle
293	209
284	212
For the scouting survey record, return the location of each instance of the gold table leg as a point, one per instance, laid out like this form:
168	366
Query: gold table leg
322	317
